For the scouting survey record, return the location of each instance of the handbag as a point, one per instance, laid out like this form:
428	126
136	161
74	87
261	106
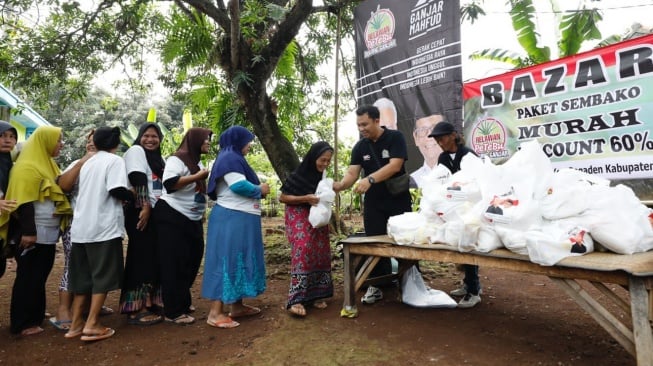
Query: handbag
398	184
395	185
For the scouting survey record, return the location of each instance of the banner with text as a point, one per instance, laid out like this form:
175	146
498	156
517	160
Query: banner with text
408	63
592	111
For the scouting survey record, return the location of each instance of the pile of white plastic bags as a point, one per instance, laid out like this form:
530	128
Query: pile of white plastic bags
526	207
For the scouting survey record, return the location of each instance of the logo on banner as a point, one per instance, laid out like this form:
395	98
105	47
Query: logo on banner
489	138
380	32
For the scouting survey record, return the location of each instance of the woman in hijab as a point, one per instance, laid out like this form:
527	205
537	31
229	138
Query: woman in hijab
310	264
234	266
141	290
179	215
8	139
42	210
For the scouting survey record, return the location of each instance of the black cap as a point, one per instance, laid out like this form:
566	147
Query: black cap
442	128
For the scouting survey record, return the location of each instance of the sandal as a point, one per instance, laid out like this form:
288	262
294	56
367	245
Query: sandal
183	319
298	310
89	336
249	311
105	310
144	318
73	333
225	323
60	324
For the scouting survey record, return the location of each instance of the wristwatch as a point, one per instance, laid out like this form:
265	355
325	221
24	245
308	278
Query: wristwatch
371	179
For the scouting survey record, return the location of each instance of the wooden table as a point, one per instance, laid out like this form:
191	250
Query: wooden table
633	272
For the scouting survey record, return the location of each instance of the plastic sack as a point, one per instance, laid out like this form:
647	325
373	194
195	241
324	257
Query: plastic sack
618	220
414	292
320	214
556	240
408	228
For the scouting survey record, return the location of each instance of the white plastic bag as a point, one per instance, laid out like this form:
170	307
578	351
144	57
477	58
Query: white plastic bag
320	214
408	228
415	292
558	239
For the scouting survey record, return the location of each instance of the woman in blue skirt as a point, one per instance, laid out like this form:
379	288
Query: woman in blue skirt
234	266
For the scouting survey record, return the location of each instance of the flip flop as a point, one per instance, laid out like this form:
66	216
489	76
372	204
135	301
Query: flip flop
226	323
298	310
183	319
249	311
139	319
60	324
105	310
73	333
104	334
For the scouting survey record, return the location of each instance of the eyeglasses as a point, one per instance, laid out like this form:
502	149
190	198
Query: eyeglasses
423	131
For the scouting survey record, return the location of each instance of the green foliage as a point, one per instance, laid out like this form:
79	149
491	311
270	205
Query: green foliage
578	27
573	30
471	11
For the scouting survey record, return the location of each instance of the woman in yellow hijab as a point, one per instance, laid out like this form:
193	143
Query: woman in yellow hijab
41	208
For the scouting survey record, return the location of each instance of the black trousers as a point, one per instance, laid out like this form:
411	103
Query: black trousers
377	211
181	247
28	294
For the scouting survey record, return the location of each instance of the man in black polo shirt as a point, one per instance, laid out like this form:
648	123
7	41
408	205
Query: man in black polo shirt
380	154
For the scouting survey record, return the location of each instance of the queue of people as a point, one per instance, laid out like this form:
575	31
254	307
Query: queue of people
160	205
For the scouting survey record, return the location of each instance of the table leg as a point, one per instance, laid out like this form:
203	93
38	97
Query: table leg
349	306
639	306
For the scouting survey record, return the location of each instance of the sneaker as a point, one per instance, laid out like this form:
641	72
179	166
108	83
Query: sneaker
469	301
462	291
372	295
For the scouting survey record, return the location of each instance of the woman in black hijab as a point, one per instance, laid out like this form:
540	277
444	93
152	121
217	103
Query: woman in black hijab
141	296
310	264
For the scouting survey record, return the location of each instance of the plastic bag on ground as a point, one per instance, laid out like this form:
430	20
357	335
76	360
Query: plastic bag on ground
414	292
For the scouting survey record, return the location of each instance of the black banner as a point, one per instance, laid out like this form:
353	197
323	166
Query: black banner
408	58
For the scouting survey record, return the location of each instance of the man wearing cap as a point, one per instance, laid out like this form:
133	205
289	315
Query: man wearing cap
453	150
381	154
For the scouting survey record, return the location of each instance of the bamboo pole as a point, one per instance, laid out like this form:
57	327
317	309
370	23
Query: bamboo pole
335	123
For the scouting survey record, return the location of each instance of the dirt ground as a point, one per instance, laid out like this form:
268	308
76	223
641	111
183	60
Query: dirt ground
523	320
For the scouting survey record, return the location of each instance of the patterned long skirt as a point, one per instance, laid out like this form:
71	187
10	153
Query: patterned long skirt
234	264
310	262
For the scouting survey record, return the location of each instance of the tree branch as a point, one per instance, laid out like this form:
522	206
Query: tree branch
234	12
219	15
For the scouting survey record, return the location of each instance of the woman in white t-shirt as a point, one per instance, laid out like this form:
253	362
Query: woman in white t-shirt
179	215
140	297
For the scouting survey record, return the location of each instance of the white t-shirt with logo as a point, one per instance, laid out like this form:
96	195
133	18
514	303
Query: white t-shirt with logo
98	215
188	201
136	161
